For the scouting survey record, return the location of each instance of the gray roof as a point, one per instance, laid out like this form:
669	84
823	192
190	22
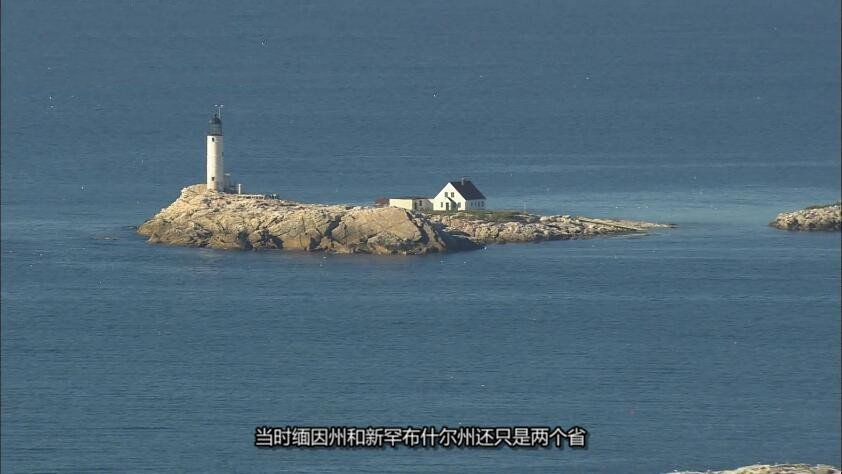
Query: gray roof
467	189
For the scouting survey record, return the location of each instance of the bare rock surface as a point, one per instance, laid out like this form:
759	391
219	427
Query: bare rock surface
487	228
202	218
774	469
826	218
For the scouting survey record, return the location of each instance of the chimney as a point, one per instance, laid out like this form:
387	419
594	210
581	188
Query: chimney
463	180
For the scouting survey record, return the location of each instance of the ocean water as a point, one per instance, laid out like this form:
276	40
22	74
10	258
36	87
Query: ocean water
711	345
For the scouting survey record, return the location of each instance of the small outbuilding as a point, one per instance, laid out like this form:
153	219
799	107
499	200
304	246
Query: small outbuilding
411	203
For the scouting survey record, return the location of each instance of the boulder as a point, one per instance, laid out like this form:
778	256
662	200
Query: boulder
814	218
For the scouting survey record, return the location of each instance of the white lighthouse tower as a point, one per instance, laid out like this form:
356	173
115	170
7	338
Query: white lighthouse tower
216	171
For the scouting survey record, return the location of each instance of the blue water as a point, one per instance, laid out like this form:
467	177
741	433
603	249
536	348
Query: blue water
712	345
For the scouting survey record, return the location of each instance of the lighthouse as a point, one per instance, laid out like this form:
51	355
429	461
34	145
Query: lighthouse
216	171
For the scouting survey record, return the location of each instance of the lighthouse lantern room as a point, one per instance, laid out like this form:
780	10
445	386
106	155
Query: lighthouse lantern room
216	170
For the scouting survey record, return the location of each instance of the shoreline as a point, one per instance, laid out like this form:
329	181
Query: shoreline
773	469
823	218
202	218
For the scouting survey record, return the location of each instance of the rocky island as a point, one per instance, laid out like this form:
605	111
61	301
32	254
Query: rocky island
774	469
826	217
207	218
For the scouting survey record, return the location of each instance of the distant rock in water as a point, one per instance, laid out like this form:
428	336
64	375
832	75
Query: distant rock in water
773	469
828	217
201	218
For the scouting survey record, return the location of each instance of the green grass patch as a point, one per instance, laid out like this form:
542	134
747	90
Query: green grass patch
497	215
819	206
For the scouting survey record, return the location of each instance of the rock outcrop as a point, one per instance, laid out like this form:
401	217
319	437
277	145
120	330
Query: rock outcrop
491	227
828	218
202	218
774	469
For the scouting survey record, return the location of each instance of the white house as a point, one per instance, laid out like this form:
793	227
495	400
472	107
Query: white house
459	195
411	203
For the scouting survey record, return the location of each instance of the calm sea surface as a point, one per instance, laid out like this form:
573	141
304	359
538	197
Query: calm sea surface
712	345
